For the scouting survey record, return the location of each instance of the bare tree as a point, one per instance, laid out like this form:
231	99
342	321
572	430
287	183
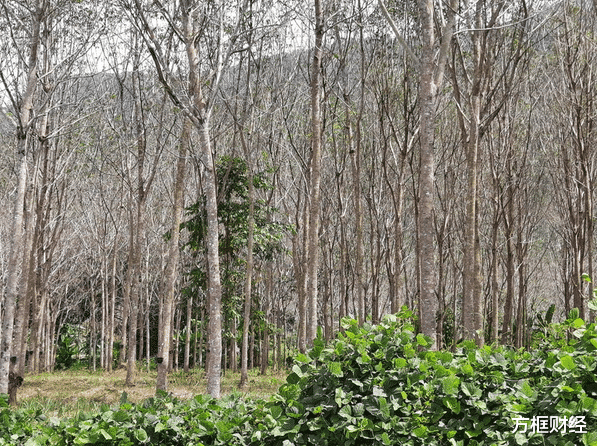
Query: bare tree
166	313
431	77
23	108
194	28
314	177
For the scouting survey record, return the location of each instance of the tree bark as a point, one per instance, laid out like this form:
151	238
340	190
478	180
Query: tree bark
16	242
187	340
431	76
314	179
249	267
139	226
164	331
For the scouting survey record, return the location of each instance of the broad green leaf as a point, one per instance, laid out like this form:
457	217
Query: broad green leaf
104	434
384	408
346	412
420	431
588	404
340	396
473	433
445	357
358	409
467	369
452	403
385	439
288	426
299	372
590	439
301	357
296	409
469	389
399	363
567	362
450	384
421	340
378	391
141	435
293	378
275	411
364	359
527	389
336	369
520	438
577	323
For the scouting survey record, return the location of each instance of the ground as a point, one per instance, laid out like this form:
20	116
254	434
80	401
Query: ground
68	392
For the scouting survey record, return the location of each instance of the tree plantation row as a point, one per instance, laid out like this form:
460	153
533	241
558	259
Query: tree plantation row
209	184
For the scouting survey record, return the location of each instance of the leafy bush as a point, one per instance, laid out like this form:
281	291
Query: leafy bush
373	385
158	421
381	385
69	346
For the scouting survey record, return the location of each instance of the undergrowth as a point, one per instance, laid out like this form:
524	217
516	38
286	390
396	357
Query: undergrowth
373	385
381	385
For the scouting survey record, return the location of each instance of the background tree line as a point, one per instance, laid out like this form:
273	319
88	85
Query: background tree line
206	183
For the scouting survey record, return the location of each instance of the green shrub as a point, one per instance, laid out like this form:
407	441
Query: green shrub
381	385
374	385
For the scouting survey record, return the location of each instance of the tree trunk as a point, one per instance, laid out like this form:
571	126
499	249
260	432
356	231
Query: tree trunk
358	216
16	242
510	267
16	250
113	293
428	303
139	227
431	76
264	360
165	329
27	290
126	305
249	268
298	261
214	350
472	309
187	341
214	293
495	292
314	178
178	317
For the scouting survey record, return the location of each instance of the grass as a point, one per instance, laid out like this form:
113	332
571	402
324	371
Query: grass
67	393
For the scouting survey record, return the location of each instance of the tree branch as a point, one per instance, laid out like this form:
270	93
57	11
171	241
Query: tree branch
397	34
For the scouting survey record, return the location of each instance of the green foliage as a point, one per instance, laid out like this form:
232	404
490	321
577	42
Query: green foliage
162	420
380	385
233	216
372	385
69	346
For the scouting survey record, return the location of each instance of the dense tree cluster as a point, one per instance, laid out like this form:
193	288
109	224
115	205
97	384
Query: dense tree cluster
340	159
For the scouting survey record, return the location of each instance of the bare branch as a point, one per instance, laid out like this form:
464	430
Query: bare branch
397	34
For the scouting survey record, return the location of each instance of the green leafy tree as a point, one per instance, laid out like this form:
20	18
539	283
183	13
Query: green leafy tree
233	216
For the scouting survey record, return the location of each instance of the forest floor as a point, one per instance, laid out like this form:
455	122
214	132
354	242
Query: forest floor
66	393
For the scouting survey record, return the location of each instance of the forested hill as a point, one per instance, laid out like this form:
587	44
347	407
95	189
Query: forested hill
359	175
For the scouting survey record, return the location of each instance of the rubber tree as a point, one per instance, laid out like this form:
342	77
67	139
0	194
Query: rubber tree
23	112
207	34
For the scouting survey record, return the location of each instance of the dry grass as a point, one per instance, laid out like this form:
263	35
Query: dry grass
65	393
